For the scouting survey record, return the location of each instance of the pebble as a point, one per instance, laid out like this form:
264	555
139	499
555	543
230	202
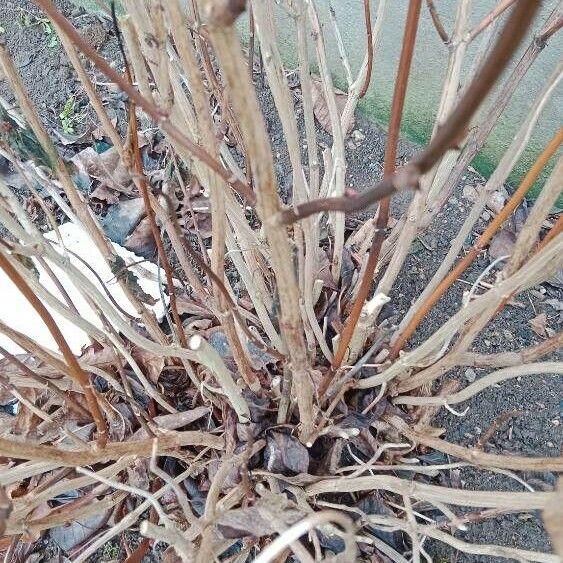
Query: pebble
357	135
470	375
508	334
485	215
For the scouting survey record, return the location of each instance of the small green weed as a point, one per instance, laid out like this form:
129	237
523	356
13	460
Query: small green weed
69	116
28	19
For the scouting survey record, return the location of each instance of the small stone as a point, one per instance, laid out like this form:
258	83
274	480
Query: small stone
485	216
453	200
470	375
358	136
487	342
471	192
508	335
495	202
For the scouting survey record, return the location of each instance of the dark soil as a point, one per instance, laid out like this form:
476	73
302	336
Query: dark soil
537	431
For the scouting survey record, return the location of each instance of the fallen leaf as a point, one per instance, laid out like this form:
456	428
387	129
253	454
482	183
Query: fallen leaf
153	364
324	271
67	140
201	221
502	244
320	107
471	193
260	358
285	453
141	240
255	521
138	474
173	421
539	325
107	168
104	194
496	201
187	306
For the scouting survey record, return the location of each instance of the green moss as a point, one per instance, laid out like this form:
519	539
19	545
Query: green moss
417	127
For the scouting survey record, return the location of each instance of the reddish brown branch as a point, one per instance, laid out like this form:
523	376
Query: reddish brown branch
144	189
75	370
367	17
409	38
449	135
438	22
481	243
155	113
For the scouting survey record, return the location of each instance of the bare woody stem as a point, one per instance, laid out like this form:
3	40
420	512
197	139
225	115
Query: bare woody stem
155	113
449	135
245	104
112	451
367	17
482	241
438	22
141	182
75	370
409	37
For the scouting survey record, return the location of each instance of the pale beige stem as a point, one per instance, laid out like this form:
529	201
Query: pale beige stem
229	53
529	235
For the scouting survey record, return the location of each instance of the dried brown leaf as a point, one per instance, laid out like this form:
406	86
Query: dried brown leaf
502	244
105	194
539	325
285	453
141	241
320	107
153	364
106	167
255	520
78	531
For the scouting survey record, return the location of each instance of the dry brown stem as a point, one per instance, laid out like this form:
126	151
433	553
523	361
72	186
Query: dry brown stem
481	243
256	140
449	134
438	25
75	369
409	37
112	450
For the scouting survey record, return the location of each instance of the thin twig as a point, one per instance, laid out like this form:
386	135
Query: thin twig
158	115
409	37
482	241
489	18
438	25
448	136
367	17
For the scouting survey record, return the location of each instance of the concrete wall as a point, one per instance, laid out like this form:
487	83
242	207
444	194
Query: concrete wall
429	66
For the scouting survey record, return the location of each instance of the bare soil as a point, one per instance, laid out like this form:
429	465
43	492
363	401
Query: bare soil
537	431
